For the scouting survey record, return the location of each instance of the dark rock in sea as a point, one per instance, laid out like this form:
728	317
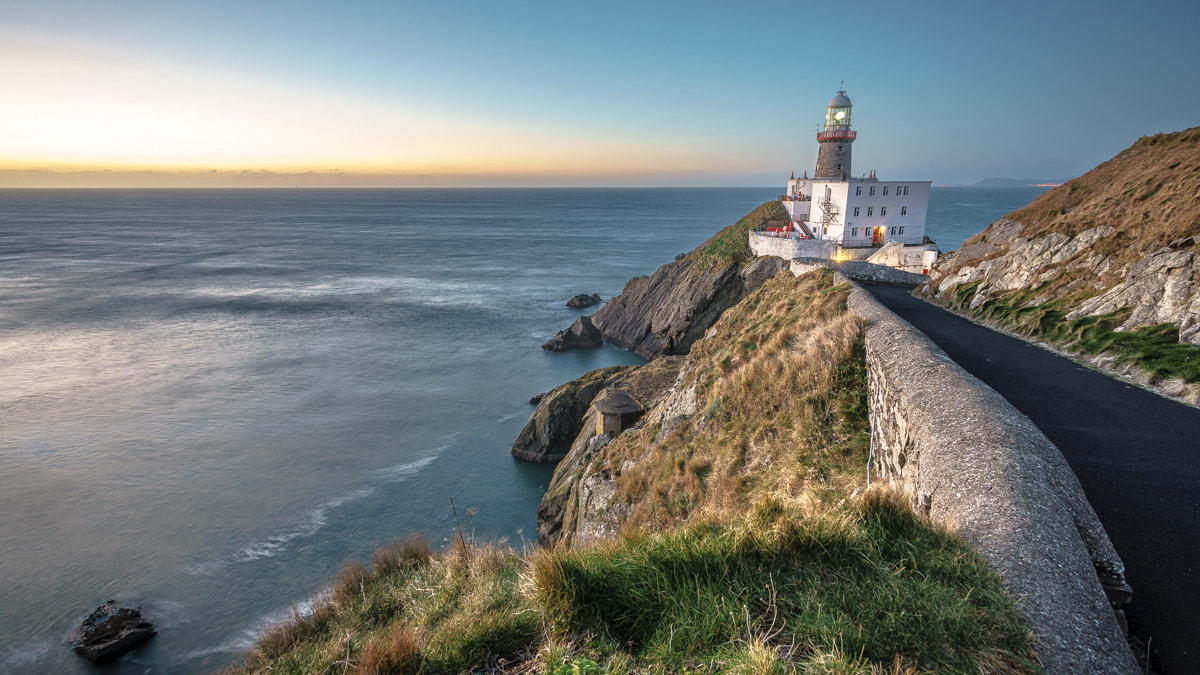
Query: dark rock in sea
583	300
581	335
537	398
110	632
548	434
668	311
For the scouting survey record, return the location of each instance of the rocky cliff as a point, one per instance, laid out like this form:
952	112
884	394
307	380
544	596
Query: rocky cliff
666	312
1105	266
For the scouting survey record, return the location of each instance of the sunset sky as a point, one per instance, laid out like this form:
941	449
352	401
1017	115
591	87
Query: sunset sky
246	93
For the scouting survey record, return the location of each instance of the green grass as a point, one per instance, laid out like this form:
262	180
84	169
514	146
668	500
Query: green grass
732	244
867	588
1155	350
872	581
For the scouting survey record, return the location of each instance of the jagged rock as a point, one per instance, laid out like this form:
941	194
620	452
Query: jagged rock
558	419
582	334
574	501
537	398
110	632
666	312
583	301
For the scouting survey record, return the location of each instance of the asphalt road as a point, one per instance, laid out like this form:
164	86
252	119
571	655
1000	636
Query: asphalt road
1137	455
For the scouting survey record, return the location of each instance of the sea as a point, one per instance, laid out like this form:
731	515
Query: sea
211	399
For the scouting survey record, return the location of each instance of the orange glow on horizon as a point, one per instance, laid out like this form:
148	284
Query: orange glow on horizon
82	117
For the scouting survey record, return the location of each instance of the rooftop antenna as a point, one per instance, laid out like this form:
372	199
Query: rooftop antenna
843	86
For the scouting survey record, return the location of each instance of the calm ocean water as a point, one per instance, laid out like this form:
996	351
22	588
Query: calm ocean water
213	398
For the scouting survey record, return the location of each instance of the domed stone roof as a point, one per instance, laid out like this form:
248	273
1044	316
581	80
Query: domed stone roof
841	100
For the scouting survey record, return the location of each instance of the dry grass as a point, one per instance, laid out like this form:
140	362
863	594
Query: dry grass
1148	193
780	383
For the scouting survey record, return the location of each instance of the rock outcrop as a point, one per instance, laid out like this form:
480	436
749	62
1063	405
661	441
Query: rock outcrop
583	301
576	504
582	334
110	632
558	419
1119	242
666	312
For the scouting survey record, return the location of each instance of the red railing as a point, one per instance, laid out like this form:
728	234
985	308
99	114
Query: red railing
835	134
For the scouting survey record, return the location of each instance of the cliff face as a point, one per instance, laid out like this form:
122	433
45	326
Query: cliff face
576	504
558	419
1114	250
666	312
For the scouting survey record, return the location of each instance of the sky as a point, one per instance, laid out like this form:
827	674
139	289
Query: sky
258	93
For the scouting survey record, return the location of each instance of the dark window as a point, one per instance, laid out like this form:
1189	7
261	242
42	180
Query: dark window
856	211
904	210
858	191
901	229
870	210
872	190
883	209
884	190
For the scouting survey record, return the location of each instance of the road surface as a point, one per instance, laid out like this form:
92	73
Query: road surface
1136	453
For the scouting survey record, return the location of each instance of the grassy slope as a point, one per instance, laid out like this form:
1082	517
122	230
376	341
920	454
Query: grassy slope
1149	194
745	551
732	243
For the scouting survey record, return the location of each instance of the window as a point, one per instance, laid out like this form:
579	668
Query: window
885	190
906	190
870	210
872	190
904	210
858	191
893	230
901	229
883	209
854	231
856	211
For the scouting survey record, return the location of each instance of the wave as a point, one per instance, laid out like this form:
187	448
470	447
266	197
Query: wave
315	519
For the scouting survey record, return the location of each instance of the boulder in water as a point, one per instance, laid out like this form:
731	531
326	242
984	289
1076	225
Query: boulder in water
110	632
583	300
581	335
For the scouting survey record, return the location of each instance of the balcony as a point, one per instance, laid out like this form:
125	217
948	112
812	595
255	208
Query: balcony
836	135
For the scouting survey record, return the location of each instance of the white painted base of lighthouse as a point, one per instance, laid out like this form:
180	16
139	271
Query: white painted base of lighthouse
915	258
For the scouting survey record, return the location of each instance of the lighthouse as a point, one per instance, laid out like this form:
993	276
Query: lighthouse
838	215
836	139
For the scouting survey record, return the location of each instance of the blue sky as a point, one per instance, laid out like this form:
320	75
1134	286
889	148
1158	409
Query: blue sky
553	93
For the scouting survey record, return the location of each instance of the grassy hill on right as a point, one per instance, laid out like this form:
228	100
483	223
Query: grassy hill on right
1106	267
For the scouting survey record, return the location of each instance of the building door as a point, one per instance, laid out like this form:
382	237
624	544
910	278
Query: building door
877	237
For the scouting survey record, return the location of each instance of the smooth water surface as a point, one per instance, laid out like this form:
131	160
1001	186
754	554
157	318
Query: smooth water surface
211	399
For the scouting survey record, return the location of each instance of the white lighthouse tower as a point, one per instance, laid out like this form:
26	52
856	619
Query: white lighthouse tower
837	215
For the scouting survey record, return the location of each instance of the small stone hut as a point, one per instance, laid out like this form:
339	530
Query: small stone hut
618	412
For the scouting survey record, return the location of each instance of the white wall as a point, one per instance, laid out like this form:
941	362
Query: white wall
913	222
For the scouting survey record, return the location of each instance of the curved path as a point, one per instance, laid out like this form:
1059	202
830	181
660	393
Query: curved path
1137	455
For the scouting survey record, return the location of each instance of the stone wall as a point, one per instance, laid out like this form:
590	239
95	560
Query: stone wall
969	460
790	249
